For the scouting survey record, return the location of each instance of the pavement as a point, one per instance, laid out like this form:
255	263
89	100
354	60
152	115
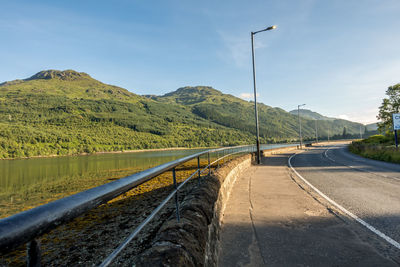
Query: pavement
367	188
273	219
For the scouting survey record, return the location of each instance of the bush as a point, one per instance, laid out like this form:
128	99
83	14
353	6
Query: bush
377	147
379	139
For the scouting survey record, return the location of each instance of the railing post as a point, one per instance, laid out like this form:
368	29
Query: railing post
176	195
33	257
198	168
217	159
209	162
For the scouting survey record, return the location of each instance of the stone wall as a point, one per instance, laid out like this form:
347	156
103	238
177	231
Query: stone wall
227	177
194	241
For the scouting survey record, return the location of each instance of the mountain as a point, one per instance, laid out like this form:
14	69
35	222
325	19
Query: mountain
372	127
234	112
68	83
69	112
366	130
275	123
306	113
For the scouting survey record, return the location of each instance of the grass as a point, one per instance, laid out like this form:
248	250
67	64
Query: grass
77	114
162	182
16	200
378	147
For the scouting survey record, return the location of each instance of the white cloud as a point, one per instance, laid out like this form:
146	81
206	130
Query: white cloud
248	96
344	117
364	116
238	48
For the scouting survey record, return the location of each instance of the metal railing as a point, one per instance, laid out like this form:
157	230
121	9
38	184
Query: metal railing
26	226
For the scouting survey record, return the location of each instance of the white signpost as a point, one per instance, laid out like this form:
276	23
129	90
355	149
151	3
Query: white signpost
396	126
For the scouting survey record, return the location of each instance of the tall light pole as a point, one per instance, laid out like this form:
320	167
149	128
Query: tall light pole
298	115
328	133
255	90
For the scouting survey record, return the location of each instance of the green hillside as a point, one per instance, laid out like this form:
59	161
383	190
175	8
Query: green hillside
69	112
275	124
335	126
56	112
372	126
306	113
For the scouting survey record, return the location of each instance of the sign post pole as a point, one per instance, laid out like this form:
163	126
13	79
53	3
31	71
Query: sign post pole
396	126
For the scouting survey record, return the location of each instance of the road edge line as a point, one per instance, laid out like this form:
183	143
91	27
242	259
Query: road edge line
355	217
358	169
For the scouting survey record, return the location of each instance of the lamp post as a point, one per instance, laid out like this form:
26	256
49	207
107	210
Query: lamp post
258	155
298	115
328	133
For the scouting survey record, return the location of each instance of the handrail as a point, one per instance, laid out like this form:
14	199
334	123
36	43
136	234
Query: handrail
126	241
23	227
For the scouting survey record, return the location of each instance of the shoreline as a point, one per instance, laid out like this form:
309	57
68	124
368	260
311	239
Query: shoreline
110	152
126	151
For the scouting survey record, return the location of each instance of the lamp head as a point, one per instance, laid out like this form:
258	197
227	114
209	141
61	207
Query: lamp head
266	29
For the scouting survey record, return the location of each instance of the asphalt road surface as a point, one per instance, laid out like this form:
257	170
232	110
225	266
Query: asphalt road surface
367	188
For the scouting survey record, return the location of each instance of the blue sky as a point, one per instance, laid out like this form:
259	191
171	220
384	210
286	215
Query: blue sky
338	57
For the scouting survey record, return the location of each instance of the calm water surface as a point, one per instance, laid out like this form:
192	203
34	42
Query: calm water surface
24	172
20	173
26	183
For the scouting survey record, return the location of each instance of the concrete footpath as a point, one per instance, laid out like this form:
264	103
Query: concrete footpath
270	220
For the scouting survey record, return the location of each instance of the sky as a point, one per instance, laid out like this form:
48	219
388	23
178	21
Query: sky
338	56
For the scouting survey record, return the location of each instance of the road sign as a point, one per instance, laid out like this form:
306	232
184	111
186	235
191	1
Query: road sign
396	121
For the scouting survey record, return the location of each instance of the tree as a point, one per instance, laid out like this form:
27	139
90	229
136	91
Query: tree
389	106
344	134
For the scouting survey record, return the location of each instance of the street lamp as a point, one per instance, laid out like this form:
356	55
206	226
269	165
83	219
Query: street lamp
298	115
328	132
255	90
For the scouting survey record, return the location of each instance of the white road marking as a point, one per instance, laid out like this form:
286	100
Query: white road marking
352	167
362	222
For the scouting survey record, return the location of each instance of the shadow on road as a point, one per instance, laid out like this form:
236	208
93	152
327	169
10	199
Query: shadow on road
272	220
305	242
338	159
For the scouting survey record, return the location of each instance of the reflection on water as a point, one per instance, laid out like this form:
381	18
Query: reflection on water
15	174
24	172
27	183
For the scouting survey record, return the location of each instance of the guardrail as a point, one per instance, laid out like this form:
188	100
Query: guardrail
24	227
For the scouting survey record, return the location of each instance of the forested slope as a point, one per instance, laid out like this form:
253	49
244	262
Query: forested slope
69	112
275	123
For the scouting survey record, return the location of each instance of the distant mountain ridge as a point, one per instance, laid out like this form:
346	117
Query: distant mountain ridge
372	126
69	83
69	112
52	74
68	75
306	113
275	123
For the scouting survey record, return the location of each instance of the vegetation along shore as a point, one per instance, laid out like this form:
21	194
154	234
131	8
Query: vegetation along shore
382	147
70	113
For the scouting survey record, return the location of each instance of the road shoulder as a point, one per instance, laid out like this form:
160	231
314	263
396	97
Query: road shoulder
273	219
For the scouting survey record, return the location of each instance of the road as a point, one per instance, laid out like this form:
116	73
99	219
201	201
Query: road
368	189
272	218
